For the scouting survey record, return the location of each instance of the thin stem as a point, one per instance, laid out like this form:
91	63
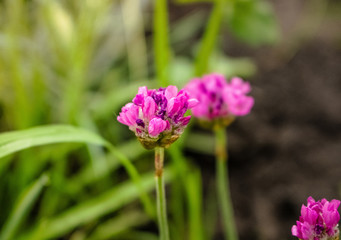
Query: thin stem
161	196
209	38
161	42
223	189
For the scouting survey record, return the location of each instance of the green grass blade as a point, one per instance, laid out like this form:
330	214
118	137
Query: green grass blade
135	40
209	39
145	199
191	179
15	141
22	206
120	224
99	206
87	175
195	196
16	19
133	235
20	140
161	42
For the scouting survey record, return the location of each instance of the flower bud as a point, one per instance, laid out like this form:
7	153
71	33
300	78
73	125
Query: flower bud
157	116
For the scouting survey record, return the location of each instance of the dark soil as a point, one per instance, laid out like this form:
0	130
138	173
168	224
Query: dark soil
289	148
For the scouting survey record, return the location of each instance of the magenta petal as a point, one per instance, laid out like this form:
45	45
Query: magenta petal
294	231
156	126
170	92
309	215
240	86
132	114
310	200
304	210
173	106
334	204
149	108
128	115
185	120
220	80
122	120
307	231
331	218
143	91
201	110
138	99
192	102
241	105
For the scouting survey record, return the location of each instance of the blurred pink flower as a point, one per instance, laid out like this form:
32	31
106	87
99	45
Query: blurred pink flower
157	116
318	220
218	98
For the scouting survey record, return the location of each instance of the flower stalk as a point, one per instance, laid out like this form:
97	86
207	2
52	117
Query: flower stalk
160	192
157	117
222	181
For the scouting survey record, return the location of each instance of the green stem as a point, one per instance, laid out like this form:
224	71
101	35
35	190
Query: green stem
161	196
223	190
161	42
209	38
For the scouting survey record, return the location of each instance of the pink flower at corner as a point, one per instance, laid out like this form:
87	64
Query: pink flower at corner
218	98
157	116
318	220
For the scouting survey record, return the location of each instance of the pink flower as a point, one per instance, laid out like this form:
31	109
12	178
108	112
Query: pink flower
318	220
219	99
157	116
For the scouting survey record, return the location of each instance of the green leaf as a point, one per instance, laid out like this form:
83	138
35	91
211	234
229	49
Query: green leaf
194	195
15	141
191	179
19	140
133	235
22	206
133	173
254	22
122	223
99	206
87	175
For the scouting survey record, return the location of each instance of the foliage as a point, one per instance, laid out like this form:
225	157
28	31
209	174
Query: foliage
66	68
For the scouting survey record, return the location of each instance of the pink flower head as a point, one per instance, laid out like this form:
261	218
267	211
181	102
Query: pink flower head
219	99
318	220
157	116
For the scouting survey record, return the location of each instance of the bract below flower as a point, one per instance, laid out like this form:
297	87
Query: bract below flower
157	116
318	220
219	101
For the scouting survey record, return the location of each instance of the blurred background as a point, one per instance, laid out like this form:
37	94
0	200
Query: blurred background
78	62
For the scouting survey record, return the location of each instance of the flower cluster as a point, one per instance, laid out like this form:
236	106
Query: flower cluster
318	220
219	100
157	116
